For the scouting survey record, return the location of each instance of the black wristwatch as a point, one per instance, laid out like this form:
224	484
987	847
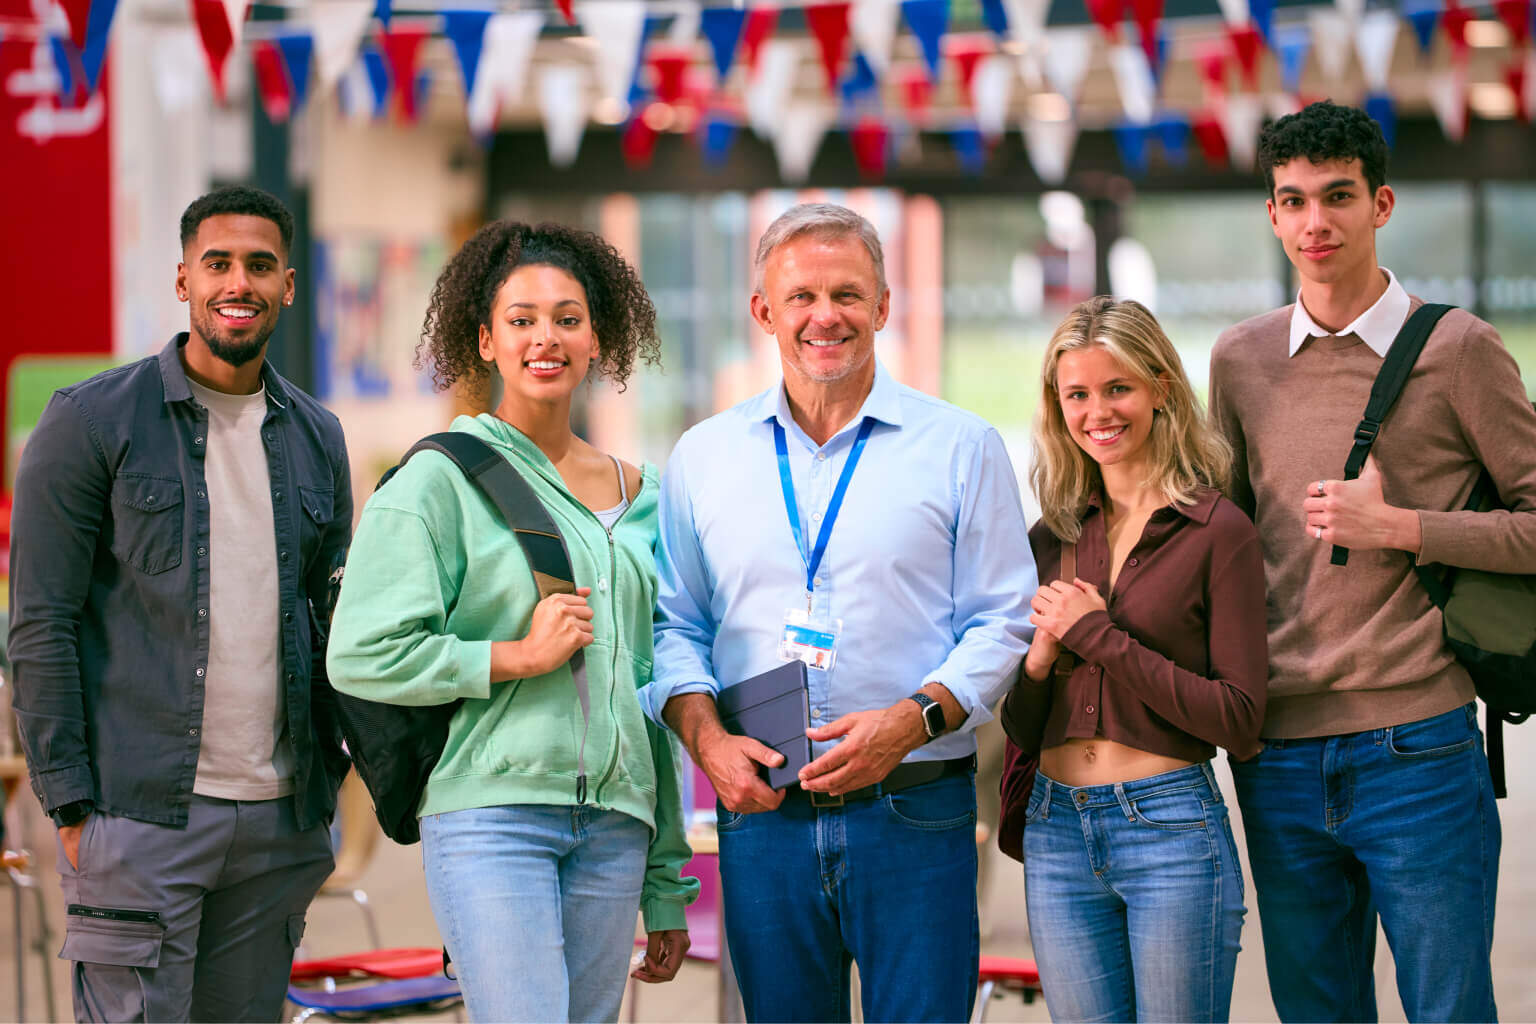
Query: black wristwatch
72	813
933	714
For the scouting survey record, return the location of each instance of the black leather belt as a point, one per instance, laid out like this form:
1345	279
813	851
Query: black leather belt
903	776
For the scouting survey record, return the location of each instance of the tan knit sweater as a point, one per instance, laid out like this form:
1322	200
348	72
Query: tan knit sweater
1360	646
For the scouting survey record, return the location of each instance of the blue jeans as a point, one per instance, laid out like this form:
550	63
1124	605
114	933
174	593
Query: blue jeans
1399	822
537	907
1135	898
889	883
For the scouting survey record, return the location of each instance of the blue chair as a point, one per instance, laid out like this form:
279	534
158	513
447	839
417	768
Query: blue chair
375	1000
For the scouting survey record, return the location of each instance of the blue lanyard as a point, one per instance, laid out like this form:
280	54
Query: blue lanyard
830	516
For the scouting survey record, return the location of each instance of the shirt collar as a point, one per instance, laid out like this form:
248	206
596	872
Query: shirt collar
883	403
1377	326
173	376
1198	511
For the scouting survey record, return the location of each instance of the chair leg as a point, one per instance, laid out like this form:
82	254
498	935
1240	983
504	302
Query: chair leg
360	897
983	997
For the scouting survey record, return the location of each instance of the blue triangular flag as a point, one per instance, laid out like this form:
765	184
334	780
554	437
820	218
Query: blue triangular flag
1131	140
637	92
722	27
719	136
1424	16
1292	43
64	64
928	20
996	16
861	82
1263	14
378	77
1160	50
1173	133
297	49
1380	106
970	148
381	11
466	31
97	25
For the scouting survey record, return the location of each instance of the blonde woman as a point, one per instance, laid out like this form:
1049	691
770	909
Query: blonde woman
1134	889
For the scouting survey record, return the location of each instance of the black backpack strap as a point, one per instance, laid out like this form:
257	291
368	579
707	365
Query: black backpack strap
536	532
1389	383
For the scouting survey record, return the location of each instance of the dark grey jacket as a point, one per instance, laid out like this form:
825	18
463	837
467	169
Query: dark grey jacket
110	587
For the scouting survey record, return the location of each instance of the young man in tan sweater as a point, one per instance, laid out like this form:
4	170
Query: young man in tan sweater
1372	795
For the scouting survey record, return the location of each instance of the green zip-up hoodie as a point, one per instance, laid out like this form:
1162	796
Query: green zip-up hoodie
435	575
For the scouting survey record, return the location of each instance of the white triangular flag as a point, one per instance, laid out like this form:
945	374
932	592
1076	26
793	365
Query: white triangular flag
1235	12
1331	39
1026	20
180	82
616	26
1241	117
1066	59
355	92
509	42
563	107
1447	92
1351	9
1375	41
337	27
777	63
1279	104
798	139
992	91
1049	145
1133	77
1030	70
237	10
872	23
686	19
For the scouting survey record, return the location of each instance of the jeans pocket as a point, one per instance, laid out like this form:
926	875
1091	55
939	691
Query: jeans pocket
1440	736
930	808
1038	804
1179	810
727	821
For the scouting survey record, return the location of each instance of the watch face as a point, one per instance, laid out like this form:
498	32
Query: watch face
933	719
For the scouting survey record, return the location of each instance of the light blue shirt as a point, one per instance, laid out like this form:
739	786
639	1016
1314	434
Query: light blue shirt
928	565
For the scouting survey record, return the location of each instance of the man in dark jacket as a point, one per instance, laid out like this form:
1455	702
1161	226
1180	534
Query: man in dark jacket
176	524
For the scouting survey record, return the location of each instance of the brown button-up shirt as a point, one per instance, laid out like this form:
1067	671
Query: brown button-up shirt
1178	665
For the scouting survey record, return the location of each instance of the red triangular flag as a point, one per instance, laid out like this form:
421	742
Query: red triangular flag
1108	14
567	10
1516	16
1246	42
213	30
916	92
1212	60
671	65
1454	21
829	24
638	143
759	26
869	138
1148	14
1213	144
79	13
402	46
1514	77
967	54
272	81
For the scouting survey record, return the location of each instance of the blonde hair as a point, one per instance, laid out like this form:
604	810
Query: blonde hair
1185	453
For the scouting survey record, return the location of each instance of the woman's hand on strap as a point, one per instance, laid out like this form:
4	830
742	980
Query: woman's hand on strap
562	625
1059	605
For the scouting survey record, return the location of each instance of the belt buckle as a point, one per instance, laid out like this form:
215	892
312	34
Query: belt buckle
819	799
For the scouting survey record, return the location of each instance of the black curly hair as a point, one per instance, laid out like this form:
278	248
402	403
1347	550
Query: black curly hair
1324	131
237	199
622	315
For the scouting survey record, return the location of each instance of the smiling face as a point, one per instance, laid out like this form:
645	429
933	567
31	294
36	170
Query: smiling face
1326	217
822	302
540	335
1107	409
235	278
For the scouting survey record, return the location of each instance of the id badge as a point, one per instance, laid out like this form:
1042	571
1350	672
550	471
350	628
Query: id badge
813	641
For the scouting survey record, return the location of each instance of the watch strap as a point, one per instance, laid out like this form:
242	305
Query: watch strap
925	703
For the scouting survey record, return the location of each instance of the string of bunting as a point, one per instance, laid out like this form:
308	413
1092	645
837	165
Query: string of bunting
664	66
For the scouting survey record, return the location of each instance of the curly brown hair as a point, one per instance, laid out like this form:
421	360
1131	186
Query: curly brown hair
622	315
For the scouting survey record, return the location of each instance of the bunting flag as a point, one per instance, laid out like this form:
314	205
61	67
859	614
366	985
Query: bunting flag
272	81
1351	9
297	50
669	64
212	20
175	57
382	11
1213	143
873	25
1049	147
686	19
916	91
1173	134
718	136
65	61
967	52
1262	12
237	10
870	139
1455	18
563	107
376	73
1133	78
618	28
1331	36
337	27
1292	44
1159	55
1107	14
1246	42
1515	14
995	16
929	21
1424	16
637	144
1375	41
1514	77
970	148
402	49
93	54
861	83
1380	106
992	94
1212	60
769	90
1241	117
1131	141
798	139
1447	92
1026	21
508	47
829	24
1066	59
78	14
1234	12
722	27
1149	17
759	26
465	30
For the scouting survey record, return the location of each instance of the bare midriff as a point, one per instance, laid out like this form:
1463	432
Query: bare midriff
1102	762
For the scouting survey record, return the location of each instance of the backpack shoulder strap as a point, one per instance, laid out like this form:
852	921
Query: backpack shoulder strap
1389	383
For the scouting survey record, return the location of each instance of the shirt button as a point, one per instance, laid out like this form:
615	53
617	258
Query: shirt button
817	581
282	556
277	495
202	613
1132	561
149	500
821	456
602	584
191	732
815	712
287	616
200	494
1089	709
199	671
198	439
201	552
815	517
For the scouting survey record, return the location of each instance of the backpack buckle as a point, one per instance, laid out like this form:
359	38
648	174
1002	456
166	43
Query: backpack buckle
1366	432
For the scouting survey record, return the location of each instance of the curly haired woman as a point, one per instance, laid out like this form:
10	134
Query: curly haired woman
549	820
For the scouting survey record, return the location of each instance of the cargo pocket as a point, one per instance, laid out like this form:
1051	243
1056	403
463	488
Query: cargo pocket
146	522
112	949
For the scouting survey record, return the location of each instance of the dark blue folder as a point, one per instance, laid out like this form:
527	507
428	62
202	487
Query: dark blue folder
773	708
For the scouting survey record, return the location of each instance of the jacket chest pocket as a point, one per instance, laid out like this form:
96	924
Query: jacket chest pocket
147	522
319	508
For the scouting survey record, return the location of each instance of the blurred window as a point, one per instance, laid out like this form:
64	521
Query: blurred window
1428	242
1509	287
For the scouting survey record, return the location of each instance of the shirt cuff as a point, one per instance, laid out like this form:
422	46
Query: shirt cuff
654	696
662	914
472	677
1087	633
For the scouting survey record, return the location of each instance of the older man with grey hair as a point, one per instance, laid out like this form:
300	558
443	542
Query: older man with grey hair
875	533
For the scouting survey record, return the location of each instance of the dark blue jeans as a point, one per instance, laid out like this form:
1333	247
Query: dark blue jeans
1397	822
889	883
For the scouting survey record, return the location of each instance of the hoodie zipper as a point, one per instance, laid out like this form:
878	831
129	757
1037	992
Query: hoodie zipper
613	601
